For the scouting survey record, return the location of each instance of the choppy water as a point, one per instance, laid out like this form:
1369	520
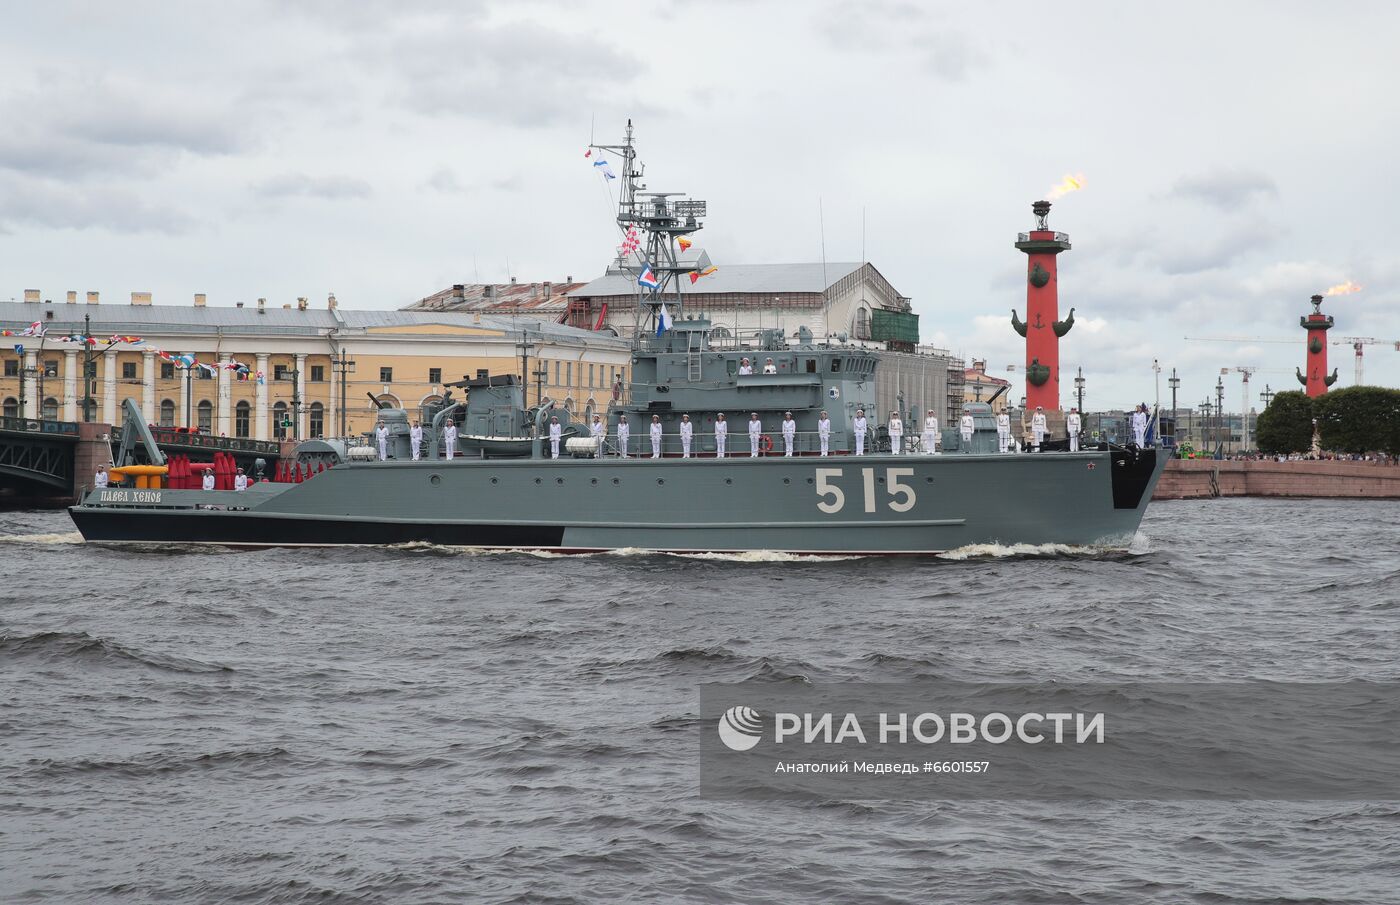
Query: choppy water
420	724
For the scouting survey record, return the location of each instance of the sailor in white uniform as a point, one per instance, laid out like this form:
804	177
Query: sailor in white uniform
824	431
1003	433
415	439
449	439
721	435
755	434
687	432
240	481
1038	427
208	482
381	436
896	428
1073	423
99	480
789	434
769	367
656	436
556	433
930	433
624	433
599	432
745	369
860	425
1140	426
965	429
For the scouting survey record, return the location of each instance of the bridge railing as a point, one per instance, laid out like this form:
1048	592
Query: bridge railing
166	436
40	426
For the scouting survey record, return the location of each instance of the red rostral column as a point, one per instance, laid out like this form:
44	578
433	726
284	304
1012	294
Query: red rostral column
1040	328
1317	380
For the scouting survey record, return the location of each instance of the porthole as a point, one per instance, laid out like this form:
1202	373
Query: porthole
729	480
787	480
595	480
495	480
558	480
435	479
809	480
616	481
661	480
539	480
928	480
880	480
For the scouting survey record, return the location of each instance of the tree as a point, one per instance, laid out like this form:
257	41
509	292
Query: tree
1286	425
1359	419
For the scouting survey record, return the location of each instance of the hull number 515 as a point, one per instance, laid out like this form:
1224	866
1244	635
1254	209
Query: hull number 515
833	498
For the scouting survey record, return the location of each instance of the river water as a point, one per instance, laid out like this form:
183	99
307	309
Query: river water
423	724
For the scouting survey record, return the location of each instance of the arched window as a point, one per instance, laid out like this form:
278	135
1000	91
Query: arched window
241	420
167	413
11	407
862	323
719	332
318	419
388	399
51	409
279	416
205	412
569	404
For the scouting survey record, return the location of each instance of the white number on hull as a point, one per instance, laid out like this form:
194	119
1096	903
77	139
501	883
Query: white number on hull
833	500
838	499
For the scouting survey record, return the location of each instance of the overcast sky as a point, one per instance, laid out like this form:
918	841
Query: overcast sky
1238	158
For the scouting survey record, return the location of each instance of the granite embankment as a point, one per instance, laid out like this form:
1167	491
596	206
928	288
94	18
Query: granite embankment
1189	479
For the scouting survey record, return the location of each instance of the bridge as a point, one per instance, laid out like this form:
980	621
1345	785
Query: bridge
50	463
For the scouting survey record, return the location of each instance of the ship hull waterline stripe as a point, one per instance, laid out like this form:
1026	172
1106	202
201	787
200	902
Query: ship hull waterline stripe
292	517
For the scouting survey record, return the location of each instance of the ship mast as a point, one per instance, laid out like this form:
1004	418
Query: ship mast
660	218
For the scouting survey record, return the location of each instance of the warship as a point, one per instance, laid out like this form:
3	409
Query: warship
505	488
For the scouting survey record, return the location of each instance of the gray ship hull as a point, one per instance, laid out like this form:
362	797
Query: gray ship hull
880	504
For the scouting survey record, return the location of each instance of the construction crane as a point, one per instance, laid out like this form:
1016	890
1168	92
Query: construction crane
1358	345
1245	372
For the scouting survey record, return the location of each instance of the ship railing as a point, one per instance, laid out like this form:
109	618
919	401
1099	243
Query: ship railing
703	443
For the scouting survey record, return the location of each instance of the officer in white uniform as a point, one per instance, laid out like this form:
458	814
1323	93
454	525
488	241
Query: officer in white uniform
745	368
656	436
721	435
449	439
769	367
240	481
208	482
599	431
687	431
824	431
859	425
1140	426
556	433
965	428
415	439
381	435
755	434
99	480
896	427
789	434
1038	427
624	433
930	433
1073	423
1003	433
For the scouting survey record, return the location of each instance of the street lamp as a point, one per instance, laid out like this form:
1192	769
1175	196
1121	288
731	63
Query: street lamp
293	374
1267	396
343	365
1079	390
1221	434
1173	382
1157	385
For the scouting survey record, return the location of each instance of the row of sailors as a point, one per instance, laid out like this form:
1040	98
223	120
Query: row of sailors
415	440
860	426
101	481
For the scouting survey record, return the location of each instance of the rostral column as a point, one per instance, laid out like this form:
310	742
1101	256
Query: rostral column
1041	328
1316	380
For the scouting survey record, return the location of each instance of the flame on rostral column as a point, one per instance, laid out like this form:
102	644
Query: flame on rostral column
1346	288
1072	182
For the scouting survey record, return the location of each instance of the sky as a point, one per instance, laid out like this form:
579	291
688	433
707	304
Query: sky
1237	158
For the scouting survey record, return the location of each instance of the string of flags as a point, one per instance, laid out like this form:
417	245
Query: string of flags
183	360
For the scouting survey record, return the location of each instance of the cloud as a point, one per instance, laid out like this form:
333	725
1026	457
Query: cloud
904	28
79	126
27	201
331	188
1217	253
1226	189
445	181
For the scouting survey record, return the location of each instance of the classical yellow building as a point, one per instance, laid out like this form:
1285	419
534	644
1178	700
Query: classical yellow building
979	386
318	365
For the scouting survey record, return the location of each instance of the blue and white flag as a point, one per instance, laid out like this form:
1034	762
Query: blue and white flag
663	320
602	167
187	360
648	279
